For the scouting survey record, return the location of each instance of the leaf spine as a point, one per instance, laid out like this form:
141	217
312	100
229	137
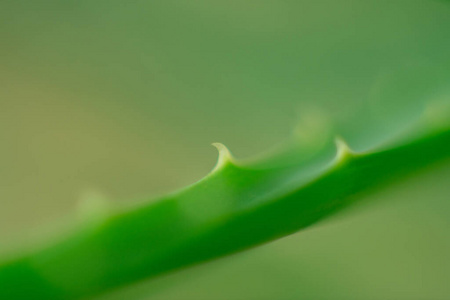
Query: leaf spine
225	156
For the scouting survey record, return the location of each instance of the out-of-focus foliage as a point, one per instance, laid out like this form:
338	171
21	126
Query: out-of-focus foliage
124	97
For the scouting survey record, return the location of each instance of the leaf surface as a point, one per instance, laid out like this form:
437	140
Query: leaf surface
237	206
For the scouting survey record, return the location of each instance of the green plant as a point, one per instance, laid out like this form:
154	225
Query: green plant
237	206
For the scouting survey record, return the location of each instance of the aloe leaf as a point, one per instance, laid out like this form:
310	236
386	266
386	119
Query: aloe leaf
237	206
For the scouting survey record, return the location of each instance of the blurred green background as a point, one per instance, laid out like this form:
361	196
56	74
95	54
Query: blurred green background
123	98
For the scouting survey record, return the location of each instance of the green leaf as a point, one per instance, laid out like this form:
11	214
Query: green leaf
237	206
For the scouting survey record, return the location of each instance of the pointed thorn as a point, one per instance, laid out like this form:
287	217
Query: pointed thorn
343	151
224	155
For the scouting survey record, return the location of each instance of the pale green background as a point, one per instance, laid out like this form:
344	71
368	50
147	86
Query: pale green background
123	98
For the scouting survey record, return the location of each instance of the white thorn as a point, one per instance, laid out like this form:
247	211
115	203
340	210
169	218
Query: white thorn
224	155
